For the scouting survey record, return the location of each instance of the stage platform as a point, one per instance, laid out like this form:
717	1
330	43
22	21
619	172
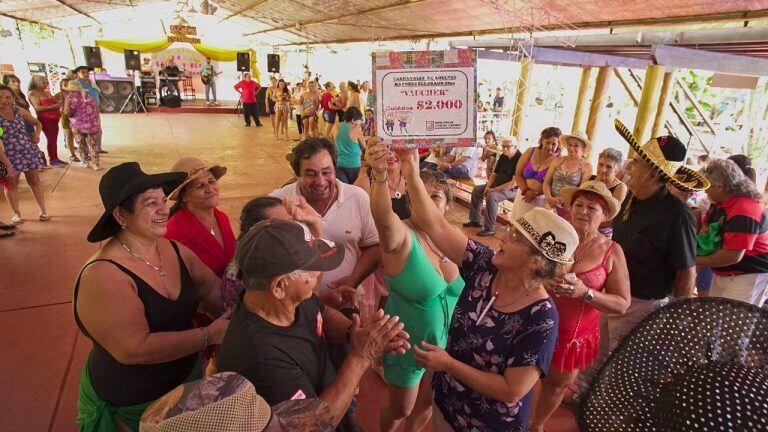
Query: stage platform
197	106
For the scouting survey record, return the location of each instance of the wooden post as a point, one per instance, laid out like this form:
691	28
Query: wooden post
526	64
667	88
598	101
579	117
649	100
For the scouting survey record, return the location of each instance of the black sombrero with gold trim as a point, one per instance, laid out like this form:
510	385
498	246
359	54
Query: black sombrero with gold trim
666	155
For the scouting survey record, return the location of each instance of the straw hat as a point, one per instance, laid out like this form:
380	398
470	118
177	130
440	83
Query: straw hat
222	402
579	135
194	168
73	85
551	234
666	155
596	187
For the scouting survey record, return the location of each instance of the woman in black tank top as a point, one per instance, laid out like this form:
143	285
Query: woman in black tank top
135	299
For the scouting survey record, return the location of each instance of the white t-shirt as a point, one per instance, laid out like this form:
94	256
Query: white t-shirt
348	222
471	153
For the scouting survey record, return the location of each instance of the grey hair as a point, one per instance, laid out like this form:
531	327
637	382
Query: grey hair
261	283
613	155
728	174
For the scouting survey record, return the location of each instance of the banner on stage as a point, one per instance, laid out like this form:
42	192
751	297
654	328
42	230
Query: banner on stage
426	98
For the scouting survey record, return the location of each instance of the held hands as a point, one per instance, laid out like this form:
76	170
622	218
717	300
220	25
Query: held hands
376	156
568	286
342	294
218	328
530	195
432	357
384	334
300	210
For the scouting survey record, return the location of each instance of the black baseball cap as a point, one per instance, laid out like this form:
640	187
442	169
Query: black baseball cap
275	247
77	69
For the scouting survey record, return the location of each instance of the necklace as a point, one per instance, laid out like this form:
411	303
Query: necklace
495	296
157	269
545	162
397	193
333	197
591	242
443	258
213	232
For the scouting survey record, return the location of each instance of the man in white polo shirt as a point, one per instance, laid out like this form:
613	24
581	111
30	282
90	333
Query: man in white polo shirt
345	211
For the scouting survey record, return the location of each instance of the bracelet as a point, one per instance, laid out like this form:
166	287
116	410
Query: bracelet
377	181
205	337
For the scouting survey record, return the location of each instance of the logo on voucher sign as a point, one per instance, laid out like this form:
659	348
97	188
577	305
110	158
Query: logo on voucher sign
430	125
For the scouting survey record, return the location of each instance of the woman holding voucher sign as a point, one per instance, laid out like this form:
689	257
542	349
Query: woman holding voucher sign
532	170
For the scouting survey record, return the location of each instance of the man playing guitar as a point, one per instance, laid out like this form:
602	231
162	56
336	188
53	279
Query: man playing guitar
208	75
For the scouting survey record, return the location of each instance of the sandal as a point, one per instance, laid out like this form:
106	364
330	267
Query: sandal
7	234
44	217
9	227
17	220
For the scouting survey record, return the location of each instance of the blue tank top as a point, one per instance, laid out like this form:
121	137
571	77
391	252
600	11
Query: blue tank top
348	149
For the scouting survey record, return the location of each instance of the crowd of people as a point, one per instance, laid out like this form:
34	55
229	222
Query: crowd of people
74	110
353	265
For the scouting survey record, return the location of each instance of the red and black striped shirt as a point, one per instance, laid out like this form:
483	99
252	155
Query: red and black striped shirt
745	226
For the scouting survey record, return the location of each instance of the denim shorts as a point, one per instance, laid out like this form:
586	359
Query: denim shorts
329	116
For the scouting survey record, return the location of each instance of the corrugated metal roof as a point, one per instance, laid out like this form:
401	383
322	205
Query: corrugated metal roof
328	21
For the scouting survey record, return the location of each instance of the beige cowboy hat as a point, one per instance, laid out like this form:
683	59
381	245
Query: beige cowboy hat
666	155
595	187
222	402
552	235
579	135
194	168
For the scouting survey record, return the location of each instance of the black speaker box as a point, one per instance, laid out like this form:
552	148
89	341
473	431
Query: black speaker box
92	56
132	59
243	62
113	95
273	63
170	101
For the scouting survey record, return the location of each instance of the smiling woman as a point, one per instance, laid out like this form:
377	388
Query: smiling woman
135	299
195	221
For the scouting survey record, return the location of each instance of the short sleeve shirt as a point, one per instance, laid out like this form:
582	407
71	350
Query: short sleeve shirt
348	222
500	341
282	363
471	153
658	236
248	89
745	227
207	70
505	168
325	101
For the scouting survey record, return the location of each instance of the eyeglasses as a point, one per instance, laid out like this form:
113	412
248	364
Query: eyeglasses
506	146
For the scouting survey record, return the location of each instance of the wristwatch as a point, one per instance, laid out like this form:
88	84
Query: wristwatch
589	296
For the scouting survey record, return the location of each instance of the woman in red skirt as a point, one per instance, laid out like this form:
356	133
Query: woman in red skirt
598	283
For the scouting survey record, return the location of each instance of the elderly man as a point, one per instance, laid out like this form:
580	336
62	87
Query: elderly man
656	230
345	211
501	186
278	337
461	162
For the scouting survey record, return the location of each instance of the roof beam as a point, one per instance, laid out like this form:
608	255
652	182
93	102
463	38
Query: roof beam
720	17
673	56
567	58
14	17
353	14
68	6
243	10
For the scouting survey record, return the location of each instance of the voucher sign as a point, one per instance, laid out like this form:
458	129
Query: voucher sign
426	98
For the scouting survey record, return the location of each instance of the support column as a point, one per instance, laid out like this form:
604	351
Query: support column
667	88
526	64
649	100
598	101
579	117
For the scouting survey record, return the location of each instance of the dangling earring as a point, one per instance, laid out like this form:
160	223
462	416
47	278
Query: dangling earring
123	225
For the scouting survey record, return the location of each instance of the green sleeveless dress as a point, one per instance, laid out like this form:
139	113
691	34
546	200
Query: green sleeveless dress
424	301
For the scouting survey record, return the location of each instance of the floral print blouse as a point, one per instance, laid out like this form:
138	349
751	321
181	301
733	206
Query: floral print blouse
501	340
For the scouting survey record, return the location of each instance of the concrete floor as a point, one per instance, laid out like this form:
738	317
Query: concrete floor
44	351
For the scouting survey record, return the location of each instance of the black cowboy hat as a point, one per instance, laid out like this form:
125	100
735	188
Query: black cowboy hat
119	183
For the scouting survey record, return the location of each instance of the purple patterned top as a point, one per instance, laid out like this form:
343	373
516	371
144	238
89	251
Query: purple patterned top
501	340
84	113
